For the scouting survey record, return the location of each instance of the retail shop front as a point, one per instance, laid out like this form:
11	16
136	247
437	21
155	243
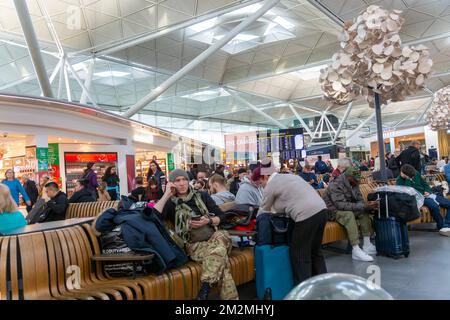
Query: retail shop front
58	139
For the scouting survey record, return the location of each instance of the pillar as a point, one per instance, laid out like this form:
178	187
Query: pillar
443	143
36	147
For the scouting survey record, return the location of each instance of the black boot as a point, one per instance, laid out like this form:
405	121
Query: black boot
204	291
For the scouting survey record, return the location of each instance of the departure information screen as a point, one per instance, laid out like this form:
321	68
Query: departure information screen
288	142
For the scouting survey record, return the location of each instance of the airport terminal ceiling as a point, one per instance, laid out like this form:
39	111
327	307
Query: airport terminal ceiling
266	77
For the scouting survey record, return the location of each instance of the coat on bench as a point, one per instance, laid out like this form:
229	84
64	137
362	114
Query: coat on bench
144	232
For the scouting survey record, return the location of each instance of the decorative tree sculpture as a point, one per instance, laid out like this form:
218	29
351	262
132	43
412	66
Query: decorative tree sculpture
372	62
438	116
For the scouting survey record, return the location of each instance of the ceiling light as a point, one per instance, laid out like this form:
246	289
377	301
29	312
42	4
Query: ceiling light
105	74
284	23
205	25
59	139
310	73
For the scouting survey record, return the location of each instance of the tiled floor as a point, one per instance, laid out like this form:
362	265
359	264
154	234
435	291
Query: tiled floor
425	274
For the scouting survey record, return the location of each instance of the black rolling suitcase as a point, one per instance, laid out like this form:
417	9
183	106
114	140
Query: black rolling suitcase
391	238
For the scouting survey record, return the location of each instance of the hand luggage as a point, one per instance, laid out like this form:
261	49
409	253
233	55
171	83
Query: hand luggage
391	235
274	278
39	211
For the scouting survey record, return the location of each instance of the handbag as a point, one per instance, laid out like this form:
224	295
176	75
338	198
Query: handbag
201	234
273	229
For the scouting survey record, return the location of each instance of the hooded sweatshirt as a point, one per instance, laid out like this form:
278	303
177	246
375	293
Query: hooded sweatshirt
249	194
223	197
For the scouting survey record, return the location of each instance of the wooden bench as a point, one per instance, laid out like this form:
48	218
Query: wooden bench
89	209
40	261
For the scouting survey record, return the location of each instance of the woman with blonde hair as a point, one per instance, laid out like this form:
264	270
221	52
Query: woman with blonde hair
103	194
42	193
10	216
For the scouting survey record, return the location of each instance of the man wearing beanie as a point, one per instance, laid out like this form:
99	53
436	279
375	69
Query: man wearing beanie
196	218
346	202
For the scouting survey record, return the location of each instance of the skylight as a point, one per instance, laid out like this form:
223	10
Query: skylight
206	95
205	25
310	73
117	74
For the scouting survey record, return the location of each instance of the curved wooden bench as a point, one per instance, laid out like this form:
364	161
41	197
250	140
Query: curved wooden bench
89	209
40	262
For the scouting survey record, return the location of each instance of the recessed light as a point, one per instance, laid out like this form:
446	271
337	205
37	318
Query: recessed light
59	139
76	141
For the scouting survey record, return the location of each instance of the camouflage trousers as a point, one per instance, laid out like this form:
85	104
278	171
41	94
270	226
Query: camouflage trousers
213	255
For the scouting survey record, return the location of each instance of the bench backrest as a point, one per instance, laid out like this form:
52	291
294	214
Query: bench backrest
89	209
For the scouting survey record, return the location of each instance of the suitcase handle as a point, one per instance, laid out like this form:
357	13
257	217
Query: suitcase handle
386	203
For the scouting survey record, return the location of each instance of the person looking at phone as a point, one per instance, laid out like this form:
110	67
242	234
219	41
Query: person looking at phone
344	199
410	177
196	218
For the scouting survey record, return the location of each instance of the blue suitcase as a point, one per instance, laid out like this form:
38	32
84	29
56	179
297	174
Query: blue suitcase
274	277
391	236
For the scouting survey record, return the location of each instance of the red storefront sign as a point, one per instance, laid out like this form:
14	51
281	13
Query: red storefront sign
90	157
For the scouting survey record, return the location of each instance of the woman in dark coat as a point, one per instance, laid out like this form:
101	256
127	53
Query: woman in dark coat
112	180
155	171
91	176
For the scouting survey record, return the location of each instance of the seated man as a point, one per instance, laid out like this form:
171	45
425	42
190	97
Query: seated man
57	205
309	176
219	191
82	193
138	193
343	164
237	180
344	198
249	191
191	212
411	178
447	172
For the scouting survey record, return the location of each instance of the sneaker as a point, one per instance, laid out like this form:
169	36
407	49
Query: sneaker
358	254
445	232
370	249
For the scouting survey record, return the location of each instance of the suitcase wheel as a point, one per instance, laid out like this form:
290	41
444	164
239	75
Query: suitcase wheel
406	254
268	294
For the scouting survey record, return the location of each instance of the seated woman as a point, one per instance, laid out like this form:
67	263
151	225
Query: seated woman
411	178
10	216
196	218
153	191
309	176
103	194
82	193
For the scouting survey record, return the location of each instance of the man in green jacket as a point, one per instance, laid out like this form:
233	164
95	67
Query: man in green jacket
409	177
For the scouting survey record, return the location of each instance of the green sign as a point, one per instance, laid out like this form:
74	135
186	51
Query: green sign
53	154
42	158
170	163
